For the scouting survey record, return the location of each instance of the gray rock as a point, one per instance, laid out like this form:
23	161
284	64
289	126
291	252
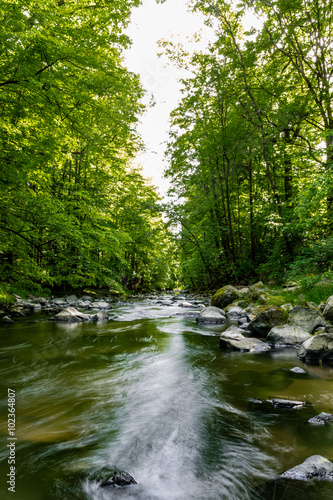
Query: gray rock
185	304
328	309
265	405
266	318
308	318
100	316
234	313
287	335
314	467
288	404
211	315
40	300
71	298
297	369
321	419
318	349
16	311
101	304
83	304
233	340
7	320
243	320
233	332
224	296
59	302
119	479
70	314
86	298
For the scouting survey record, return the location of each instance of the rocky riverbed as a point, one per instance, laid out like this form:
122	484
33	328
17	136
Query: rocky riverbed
218	370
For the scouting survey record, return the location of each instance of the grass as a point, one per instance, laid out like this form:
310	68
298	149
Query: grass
315	293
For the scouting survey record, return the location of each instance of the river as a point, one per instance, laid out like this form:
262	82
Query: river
149	392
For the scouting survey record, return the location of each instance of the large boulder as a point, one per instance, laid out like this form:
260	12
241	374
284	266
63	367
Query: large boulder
266	317
224	296
318	349
308	481
306	317
328	309
287	335
314	467
232	339
211	314
71	315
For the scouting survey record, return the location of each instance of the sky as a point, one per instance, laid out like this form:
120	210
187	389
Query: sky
150	23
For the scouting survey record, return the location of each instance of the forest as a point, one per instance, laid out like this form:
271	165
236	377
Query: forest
251	145
75	210
250	153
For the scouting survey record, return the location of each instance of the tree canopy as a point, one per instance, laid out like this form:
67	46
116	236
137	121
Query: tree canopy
74	210
250	147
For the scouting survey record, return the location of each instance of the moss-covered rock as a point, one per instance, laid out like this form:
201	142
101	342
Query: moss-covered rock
224	296
266	317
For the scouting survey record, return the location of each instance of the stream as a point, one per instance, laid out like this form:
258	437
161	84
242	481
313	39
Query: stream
150	393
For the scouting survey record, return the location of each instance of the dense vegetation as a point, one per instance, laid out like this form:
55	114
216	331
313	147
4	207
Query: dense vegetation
251	145
74	211
250	150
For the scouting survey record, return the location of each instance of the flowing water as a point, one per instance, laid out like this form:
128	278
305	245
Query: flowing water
149	392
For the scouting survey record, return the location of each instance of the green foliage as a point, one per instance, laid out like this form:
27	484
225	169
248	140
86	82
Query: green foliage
6	297
251	147
74	211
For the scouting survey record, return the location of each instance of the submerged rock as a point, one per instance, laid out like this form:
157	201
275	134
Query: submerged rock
287	335
321	419
289	404
73	484
318	349
298	369
119	479
100	316
278	404
211	315
314	467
